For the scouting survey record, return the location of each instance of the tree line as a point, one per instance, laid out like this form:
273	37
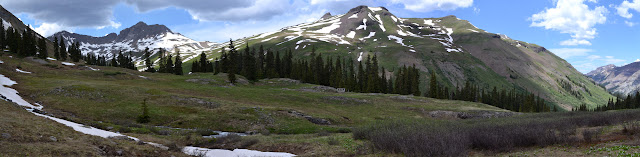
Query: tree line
512	100
631	101
25	44
367	77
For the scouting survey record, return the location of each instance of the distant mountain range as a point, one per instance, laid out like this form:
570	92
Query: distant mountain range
456	50
622	80
134	39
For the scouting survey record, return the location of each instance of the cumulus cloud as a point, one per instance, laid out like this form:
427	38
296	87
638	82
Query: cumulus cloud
566	53
623	9
72	13
237	10
571	17
582	60
48	29
630	24
433	5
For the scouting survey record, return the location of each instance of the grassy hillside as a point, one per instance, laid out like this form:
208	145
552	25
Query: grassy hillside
111	99
453	48
25	134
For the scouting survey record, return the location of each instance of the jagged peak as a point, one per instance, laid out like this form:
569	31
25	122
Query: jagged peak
326	16
140	24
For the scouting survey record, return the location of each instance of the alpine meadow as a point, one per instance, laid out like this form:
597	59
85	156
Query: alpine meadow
283	78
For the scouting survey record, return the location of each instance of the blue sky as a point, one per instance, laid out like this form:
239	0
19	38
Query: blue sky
587	33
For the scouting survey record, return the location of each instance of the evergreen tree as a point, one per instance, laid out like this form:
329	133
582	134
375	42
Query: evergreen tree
42	48
147	61
178	64
63	50
56	48
144	118
3	43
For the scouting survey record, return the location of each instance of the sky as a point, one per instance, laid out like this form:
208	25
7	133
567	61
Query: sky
586	33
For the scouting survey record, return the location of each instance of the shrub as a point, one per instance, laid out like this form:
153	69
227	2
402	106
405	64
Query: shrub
456	138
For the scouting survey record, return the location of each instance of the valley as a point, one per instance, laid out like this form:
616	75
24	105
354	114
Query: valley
362	83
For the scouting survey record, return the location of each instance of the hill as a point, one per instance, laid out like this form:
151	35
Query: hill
622	80
454	49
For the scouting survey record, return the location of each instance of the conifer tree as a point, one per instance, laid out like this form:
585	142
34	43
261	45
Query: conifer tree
63	50
147	61
3	36
42	48
178	64
56	48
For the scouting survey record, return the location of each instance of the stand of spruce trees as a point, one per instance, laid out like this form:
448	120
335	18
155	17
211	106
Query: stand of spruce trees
631	101
512	100
23	44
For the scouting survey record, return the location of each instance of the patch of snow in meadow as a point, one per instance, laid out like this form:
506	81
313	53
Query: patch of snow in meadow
22	71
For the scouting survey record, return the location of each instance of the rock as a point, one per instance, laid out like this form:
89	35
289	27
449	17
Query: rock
6	135
52	138
311	119
119	152
121	138
39	111
110	128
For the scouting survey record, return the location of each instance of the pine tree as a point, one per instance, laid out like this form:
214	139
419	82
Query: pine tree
3	38
433	86
147	61
56	48
169	65
63	50
178	64
144	118
42	48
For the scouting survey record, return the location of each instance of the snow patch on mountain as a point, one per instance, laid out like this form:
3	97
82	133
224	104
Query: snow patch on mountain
354	16
351	34
375	9
363	26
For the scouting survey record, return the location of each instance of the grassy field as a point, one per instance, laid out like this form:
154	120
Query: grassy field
280	112
25	134
111	99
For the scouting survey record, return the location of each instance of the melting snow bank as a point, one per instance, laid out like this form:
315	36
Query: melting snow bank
51	59
11	95
22	71
67	63
196	151
85	129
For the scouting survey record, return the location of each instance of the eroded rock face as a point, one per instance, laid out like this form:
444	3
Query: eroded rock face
624	80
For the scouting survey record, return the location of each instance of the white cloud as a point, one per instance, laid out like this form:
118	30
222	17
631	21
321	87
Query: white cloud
433	5
623	9
594	57
73	13
630	24
575	42
571	17
215	10
566	53
584	62
48	29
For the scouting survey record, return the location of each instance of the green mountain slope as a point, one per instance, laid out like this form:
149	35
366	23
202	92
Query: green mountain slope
453	48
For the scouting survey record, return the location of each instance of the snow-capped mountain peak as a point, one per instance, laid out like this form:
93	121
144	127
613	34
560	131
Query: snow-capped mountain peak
133	39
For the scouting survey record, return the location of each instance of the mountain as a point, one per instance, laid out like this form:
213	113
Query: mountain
623	80
133	39
456	50
10	20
